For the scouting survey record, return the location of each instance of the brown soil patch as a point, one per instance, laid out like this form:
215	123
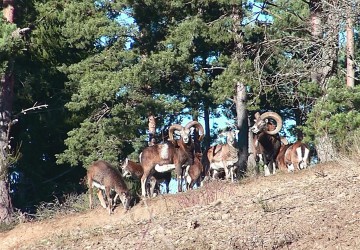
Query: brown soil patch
318	208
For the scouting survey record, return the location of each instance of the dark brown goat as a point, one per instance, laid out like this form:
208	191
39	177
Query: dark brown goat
175	154
267	140
136	170
105	177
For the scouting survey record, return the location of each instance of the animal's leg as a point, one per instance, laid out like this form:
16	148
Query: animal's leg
115	198
143	183
107	192
266	170
267	165
188	182
274	168
101	198
179	182
271	166
305	159
215	174
232	173
291	167
167	184
153	183
90	192
178	170
226	169
183	179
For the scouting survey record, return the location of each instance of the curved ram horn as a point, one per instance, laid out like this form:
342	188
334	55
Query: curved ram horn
198	126
172	129
277	118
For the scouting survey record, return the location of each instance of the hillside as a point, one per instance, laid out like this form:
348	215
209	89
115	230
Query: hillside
318	208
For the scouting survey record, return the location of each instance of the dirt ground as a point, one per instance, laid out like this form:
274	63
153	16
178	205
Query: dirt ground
317	208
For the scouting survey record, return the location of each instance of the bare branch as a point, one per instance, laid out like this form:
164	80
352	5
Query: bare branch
212	68
34	107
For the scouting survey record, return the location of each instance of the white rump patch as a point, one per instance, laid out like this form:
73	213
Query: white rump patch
302	159
217	165
299	154
164	168
164	152
98	185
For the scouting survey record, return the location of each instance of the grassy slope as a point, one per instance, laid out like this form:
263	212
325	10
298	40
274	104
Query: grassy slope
318	208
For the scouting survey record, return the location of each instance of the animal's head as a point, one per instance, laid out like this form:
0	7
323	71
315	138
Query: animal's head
185	132
124	168
125	198
231	136
263	124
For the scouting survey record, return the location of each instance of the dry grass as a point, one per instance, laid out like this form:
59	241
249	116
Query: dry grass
317	208
350	152
211	192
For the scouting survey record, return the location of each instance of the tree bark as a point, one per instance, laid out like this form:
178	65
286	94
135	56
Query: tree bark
6	100
252	167
152	130
240	93
242	126
350	51
315	23
325	148
207	127
326	61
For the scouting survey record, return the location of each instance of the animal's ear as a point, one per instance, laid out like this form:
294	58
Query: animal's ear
177	132
257	116
124	162
266	120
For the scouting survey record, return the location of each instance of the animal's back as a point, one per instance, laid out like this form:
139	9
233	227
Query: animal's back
282	157
215	153
157	154
102	172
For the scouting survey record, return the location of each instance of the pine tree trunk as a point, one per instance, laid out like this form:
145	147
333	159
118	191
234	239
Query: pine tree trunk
242	125
325	66
252	167
350	51
7	84
207	127
152	130
6	100
316	32
325	149
240	92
